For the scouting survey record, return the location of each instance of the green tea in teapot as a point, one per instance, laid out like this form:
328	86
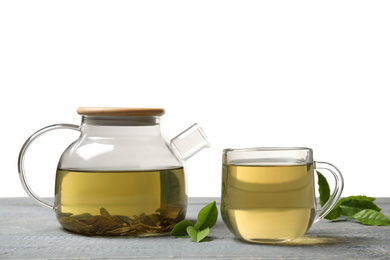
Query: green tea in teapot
120	202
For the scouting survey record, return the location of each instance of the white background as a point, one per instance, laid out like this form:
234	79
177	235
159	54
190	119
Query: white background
251	73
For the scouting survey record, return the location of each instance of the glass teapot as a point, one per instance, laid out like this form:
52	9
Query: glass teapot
121	177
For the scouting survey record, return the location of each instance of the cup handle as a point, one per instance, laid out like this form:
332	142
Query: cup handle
334	197
23	150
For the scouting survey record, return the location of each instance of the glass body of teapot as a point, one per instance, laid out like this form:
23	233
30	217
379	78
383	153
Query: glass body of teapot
121	177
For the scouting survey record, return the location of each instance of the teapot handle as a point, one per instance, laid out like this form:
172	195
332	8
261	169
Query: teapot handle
334	197
23	150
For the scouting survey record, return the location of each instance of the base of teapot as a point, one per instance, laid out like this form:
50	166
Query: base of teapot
165	233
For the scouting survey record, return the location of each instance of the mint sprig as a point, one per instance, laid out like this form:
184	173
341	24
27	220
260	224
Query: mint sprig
207	217
360	208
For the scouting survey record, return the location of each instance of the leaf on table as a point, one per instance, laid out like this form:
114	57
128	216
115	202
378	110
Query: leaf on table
359	197
196	235
352	206
371	217
361	208
180	229
207	216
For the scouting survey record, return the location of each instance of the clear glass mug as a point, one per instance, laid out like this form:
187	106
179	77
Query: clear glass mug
268	194
121	176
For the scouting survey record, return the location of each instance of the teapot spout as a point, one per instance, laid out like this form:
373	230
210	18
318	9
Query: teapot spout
189	142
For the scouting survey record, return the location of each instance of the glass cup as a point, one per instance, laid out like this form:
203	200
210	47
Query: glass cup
268	193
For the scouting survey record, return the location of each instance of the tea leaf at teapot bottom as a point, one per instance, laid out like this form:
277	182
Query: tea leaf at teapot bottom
106	224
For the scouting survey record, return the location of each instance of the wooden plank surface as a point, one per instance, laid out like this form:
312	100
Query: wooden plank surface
29	231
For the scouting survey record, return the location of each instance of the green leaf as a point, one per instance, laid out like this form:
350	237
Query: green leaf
361	208
360	197
180	229
334	213
352	206
347	206
323	189
196	235
207	217
371	217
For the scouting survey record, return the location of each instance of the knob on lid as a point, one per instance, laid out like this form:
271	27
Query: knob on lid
120	111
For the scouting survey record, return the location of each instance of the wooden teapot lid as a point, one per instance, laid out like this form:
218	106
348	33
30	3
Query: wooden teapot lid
120	111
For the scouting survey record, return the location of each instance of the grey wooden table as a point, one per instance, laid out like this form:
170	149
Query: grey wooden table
29	231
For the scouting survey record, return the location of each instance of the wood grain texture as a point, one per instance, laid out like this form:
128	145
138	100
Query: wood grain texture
120	111
29	231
